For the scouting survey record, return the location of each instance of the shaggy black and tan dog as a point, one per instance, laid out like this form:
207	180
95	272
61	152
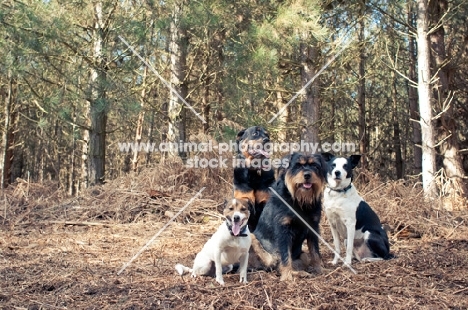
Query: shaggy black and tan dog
277	241
252	172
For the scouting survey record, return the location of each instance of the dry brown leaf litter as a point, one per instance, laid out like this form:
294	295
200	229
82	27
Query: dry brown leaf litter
58	252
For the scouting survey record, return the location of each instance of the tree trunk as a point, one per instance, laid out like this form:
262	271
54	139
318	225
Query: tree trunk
425	102
361	95
178	50
84	178
140	121
98	104
71	173
447	129
282	117
413	98
97	145
396	130
8	136
206	101
333	104
311	105
150	135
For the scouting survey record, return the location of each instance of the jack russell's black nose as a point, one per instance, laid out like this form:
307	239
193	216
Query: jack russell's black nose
307	175
338	173
236	218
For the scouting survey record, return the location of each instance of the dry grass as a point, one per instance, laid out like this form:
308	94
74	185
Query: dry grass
58	252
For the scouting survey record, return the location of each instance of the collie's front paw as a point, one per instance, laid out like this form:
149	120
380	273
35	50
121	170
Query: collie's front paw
348	261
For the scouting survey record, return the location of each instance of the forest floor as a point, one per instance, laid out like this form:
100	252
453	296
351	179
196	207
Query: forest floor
58	252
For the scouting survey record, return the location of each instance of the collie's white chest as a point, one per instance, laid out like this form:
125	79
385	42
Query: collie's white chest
340	209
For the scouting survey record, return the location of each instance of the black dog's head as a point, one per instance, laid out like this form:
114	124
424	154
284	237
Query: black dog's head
340	170
251	142
305	177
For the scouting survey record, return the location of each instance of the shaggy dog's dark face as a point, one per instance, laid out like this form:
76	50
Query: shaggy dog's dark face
305	177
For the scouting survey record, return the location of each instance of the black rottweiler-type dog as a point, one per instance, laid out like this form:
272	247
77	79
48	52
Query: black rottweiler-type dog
280	232
252	173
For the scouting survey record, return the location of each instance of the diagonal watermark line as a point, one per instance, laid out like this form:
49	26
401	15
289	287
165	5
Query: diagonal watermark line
159	232
314	232
309	82
162	79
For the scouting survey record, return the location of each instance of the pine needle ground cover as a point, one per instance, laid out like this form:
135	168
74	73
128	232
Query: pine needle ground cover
58	252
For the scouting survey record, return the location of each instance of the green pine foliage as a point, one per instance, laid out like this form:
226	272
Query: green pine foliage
241	56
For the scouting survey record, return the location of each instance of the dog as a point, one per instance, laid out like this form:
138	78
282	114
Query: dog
252	172
280	233
230	244
350	217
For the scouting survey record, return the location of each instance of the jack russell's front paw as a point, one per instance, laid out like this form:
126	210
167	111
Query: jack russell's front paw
243	280
220	280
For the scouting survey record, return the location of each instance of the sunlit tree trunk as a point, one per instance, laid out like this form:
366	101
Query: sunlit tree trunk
425	102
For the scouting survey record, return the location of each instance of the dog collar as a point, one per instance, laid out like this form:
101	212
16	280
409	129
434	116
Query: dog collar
344	190
242	232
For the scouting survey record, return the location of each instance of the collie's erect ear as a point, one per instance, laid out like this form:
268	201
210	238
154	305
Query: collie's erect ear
328	156
323	164
354	160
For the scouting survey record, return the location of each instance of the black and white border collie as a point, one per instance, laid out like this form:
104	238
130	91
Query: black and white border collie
350	217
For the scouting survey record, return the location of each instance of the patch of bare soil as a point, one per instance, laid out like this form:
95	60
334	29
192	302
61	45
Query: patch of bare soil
58	252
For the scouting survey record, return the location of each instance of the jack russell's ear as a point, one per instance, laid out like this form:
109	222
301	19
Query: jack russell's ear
327	156
354	160
220	207
250	206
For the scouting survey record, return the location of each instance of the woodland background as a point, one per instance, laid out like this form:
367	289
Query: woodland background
71	90
75	208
